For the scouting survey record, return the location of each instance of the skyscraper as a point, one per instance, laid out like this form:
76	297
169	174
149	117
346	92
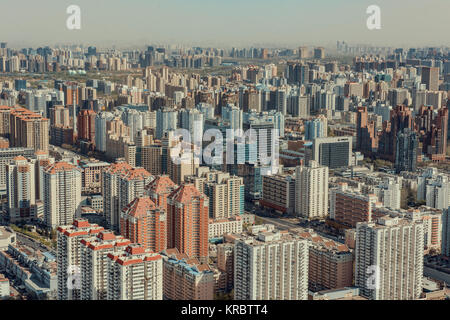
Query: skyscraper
20	187
135	274
69	257
271	266
311	189
62	194
121	184
430	77
406	151
144	223
389	259
187	222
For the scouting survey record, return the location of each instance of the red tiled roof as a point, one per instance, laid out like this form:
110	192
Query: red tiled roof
59	166
140	206
162	184
185	193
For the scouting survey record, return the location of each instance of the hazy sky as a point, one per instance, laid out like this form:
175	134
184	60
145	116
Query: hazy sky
225	22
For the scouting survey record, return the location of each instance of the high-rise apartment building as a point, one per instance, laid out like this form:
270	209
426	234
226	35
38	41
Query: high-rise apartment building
303	52
151	159
121	184
159	190
187	222
279	192
311	189
225	192
20	186
225	263
271	266
69	257
319	53
185	166
389	192
348	207
446	233
91	181
143	222
135	274
86	125
94	263
389	259
28	129
186	278
330	263
316	128
62	194
366	138
101	120
6	156
433	187
430	77
406	151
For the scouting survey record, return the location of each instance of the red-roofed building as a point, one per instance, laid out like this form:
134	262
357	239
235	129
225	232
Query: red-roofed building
69	254
186	278
159	189
121	184
144	223
94	263
135	273
187	222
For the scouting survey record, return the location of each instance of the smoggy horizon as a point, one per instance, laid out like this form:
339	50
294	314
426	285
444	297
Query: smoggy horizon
285	23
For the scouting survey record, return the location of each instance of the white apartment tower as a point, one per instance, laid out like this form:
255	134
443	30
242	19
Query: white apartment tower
121	184
135	274
389	192
62	194
271	266
392	248
434	188
69	257
20	186
311	189
94	263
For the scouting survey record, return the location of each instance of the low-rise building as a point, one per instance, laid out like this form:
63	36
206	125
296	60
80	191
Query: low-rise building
4	287
218	227
35	270
7	237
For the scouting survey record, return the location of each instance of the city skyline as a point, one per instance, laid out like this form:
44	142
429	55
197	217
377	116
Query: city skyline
184	151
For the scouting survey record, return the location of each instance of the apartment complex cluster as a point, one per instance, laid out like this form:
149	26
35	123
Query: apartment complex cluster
333	160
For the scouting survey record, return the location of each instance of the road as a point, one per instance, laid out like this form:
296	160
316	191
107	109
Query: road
36	245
